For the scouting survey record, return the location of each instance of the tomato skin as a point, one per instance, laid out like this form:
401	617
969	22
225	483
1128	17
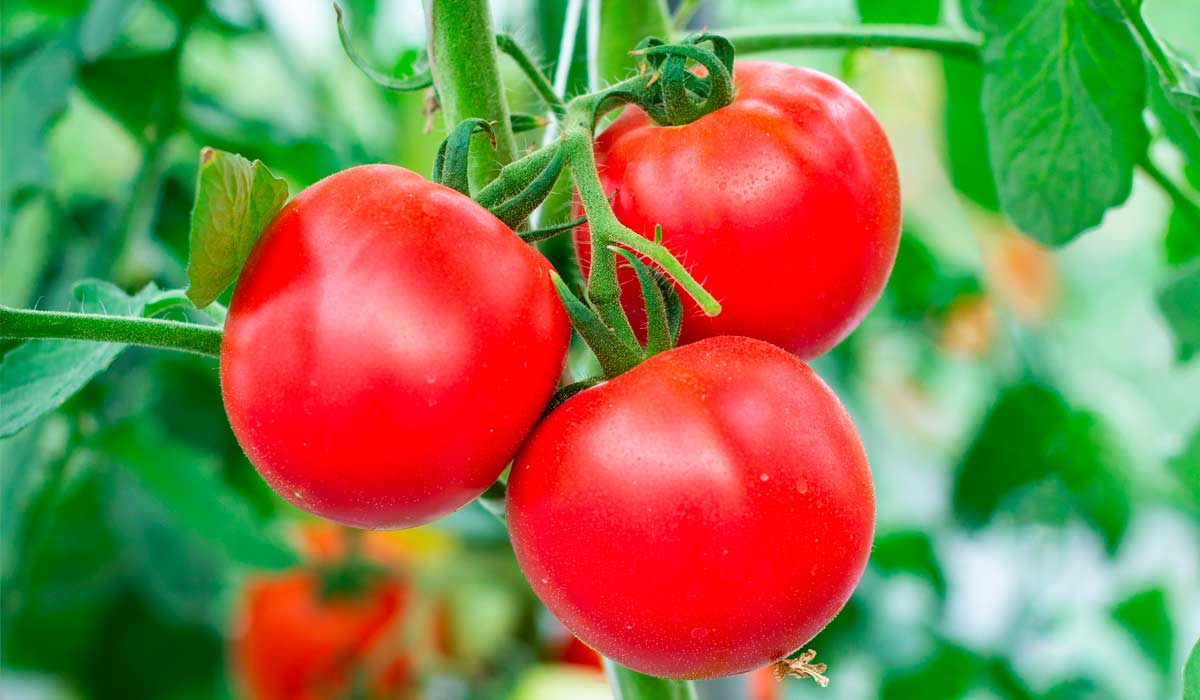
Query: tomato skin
295	645
701	515
389	344
784	204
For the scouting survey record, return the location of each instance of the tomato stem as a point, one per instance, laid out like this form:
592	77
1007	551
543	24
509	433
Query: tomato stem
628	684
952	42
148	332
466	72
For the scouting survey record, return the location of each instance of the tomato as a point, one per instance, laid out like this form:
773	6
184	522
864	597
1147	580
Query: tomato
293	643
785	204
389	344
701	515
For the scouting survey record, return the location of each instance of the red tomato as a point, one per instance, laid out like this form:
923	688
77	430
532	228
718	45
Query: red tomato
389	345
701	515
785	204
294	644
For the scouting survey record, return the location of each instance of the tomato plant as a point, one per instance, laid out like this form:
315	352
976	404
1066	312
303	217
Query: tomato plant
389	344
680	484
786	203
582	339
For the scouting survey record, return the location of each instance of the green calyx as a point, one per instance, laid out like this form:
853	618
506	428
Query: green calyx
671	93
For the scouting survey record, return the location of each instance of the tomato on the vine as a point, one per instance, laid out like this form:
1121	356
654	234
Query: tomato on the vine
295	642
389	344
785	204
703	514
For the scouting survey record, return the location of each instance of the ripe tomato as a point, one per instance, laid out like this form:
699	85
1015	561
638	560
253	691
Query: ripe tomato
389	345
293	643
785	204
701	515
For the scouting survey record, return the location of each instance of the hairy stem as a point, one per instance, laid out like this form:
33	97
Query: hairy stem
149	332
466	72
536	77
623	23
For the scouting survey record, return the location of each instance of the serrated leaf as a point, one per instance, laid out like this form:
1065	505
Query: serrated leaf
187	484
1063	93
1179	302
235	200
37	376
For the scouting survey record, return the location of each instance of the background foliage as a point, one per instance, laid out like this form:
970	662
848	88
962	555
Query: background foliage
1031	418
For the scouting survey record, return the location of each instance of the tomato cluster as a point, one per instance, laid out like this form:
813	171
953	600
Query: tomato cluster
391	346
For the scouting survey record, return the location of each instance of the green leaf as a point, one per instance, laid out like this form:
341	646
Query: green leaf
187	484
892	12
909	552
1191	674
1186	468
1032	436
102	25
1182	240
235	200
1063	93
32	95
1147	618
37	376
921	285
1179	302
152	110
1176	126
967	160
947	675
628	684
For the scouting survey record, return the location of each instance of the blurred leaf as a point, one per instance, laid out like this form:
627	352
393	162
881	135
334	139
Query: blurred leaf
1186	467
186	483
23	476
1191	674
102	25
149	112
177	572
920	285
1064	119
892	12
967	159
561	681
38	375
25	246
1147	618
909	552
947	675
1176	126
235	200
1179	301
1182	241
1029	435
420	78
32	95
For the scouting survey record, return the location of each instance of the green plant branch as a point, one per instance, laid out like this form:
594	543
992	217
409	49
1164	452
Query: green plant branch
509	46
628	684
1157	56
148	332
1181	197
951	42
466	72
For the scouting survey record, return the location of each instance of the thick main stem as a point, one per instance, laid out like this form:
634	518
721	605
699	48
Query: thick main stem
149	332
623	23
466	73
951	42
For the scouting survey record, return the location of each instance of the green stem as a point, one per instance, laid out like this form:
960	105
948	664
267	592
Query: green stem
510	46
1156	55
149	332
951	42
623	23
1179	196
466	72
628	684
